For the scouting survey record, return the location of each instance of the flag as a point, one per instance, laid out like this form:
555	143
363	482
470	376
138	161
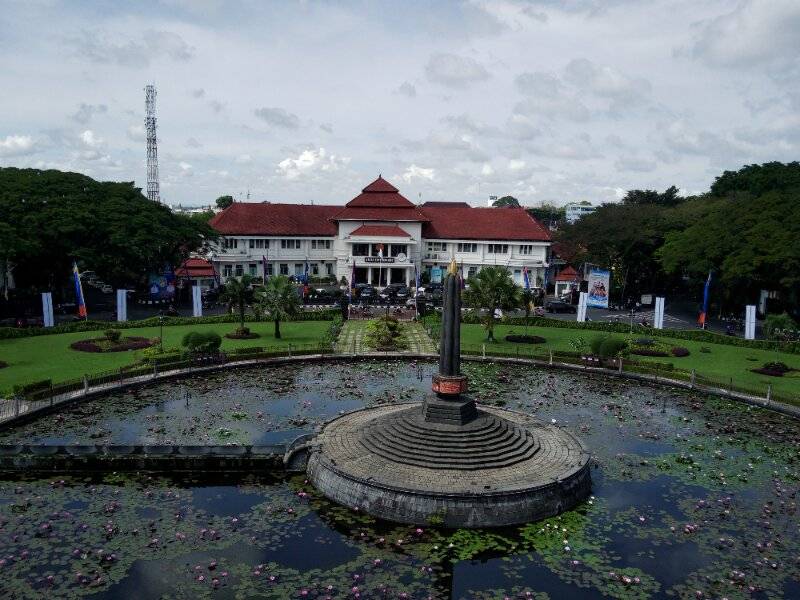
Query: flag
701	320
417	282
462	279
79	301
266	267
352	281
305	274
525	279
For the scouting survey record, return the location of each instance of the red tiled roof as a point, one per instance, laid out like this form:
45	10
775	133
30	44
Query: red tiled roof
381	231
300	220
195	267
568	274
460	223
444	204
380	201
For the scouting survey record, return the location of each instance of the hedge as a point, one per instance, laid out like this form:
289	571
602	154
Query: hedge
7	333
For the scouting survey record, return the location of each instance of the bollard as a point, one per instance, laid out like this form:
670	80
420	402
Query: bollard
619	370
551	356
691	382
85	384
769	392
483	350
16	406
290	350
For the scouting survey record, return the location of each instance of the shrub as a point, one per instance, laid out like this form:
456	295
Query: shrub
680	351
705	349
202	341
385	333
774	325
777	366
34	386
644	342
113	335
608	347
525	339
648	352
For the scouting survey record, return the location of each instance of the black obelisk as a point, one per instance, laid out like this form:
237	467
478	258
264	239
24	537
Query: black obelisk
448	406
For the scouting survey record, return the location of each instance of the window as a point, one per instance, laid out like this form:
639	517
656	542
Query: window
437	246
259	244
239	270
497	248
314	269
230	243
252	269
379	249
471	272
298	269
290	244
227	270
526	249
329	269
468	247
398	249
320	244
284	269
268	270
360	249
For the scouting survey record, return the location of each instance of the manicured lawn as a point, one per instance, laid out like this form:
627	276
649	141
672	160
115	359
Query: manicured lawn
722	364
50	357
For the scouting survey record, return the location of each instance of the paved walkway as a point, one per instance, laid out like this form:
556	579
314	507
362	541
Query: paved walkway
351	338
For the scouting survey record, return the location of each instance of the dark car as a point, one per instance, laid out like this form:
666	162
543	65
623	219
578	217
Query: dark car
403	293
559	306
367	295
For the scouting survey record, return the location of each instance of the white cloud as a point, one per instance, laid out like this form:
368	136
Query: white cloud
136	133
487	170
407	89
277	117
516	164
415	172
244	159
85	112
310	162
107	47
186	170
635	163
17	145
90	140
454	71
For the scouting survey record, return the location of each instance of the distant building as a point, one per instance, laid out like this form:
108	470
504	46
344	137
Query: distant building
190	210
377	238
567	280
575	211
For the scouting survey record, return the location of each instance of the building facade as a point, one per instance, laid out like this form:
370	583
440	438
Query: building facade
573	212
378	238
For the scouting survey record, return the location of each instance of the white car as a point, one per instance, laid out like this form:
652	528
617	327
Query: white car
106	289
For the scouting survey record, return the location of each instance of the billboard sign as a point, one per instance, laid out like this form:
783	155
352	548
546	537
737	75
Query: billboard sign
162	286
436	275
598	288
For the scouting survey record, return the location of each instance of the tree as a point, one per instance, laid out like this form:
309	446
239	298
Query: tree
492	289
279	298
548	214
224	202
506	202
48	219
238	292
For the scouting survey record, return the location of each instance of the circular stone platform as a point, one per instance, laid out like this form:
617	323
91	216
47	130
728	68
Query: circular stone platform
501	468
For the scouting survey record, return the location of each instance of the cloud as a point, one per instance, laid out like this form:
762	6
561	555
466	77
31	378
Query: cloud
90	140
415	172
198	93
136	133
756	32
17	145
635	163
607	82
326	127
454	71
458	146
278	117
85	112
407	89
216	106
547	96
105	48
310	162
192	143
186	170
244	159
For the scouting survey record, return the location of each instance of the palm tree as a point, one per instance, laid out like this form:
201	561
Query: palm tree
491	289
236	293
279	298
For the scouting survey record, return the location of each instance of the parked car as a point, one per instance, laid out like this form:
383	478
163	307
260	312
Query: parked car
559	306
368	294
107	289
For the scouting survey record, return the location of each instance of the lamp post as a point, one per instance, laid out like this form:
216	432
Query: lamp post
161	330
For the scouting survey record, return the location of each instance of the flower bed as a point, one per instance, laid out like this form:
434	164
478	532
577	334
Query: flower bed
680	351
242	333
525	339
773	369
106	345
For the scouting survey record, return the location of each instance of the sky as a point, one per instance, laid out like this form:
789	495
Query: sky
309	101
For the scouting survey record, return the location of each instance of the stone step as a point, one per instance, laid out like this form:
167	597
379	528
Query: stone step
477	442
505	460
444	431
499	431
382	446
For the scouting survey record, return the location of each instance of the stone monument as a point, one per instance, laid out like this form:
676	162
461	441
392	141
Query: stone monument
446	461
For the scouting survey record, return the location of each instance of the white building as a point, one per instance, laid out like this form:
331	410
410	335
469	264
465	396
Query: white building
576	211
379	237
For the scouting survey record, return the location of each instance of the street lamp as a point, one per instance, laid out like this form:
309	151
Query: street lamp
161	329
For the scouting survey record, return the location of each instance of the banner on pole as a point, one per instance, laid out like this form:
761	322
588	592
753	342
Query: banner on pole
47	309
750	322
582	299
598	286
197	301
122	305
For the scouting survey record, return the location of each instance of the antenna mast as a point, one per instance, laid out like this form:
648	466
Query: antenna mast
152	148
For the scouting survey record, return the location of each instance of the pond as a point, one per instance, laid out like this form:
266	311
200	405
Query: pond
693	497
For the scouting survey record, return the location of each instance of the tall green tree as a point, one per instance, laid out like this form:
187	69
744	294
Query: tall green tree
491	289
238	293
279	299
506	202
50	218
224	202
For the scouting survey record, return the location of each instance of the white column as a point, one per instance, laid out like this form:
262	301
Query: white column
582	307
369	275
47	309
658	314
122	305
197	301
408	276
750	322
